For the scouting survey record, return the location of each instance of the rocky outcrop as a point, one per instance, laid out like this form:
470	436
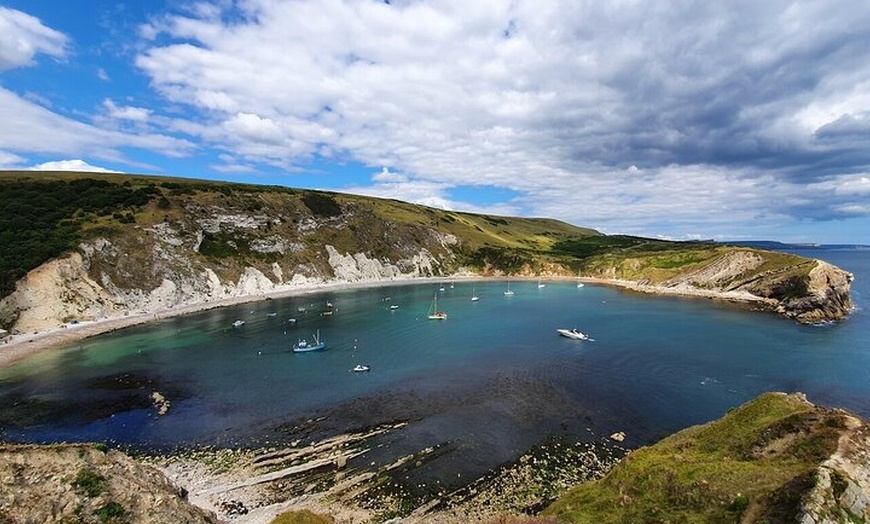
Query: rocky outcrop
827	295
842	483
81	483
809	291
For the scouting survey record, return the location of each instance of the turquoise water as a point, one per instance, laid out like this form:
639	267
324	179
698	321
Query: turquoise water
489	382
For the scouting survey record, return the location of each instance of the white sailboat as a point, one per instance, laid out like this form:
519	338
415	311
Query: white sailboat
434	312
508	292
474	297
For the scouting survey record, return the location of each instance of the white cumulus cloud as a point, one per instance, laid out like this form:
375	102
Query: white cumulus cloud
23	36
70	165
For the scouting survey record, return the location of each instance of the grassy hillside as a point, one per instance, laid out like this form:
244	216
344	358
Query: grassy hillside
157	228
44	214
757	461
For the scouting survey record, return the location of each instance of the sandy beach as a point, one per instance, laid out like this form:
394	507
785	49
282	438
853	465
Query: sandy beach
20	346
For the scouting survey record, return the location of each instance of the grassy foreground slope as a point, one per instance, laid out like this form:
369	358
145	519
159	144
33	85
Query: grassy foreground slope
759	463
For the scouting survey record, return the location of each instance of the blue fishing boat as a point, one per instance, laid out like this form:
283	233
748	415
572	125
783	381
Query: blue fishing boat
303	346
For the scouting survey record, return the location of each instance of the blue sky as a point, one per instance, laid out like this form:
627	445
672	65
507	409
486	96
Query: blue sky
674	119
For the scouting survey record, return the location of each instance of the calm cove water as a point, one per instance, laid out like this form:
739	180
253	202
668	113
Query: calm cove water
488	383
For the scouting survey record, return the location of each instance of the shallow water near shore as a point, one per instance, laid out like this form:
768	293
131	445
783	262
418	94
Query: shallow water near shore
486	384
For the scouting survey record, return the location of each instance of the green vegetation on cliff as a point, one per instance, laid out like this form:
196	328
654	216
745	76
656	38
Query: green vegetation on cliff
759	461
42	220
149	229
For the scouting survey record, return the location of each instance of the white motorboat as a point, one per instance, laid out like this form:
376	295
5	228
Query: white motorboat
238	323
573	333
361	368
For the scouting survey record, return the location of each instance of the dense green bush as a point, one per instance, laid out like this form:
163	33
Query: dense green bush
508	261
40	220
321	204
89	482
112	512
301	517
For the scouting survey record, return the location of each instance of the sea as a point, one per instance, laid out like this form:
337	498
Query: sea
484	385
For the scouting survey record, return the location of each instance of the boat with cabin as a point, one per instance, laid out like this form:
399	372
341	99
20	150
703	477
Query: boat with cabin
573	334
303	346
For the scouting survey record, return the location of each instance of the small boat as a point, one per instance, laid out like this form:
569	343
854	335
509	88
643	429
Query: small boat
361	368
291	320
540	284
271	314
573	333
579	284
394	307
508	292
434	313
474	297
238	323
302	345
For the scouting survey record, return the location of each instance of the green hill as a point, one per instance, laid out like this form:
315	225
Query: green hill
144	242
764	462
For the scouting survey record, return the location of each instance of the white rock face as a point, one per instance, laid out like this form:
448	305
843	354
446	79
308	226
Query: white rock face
253	282
62	290
358	267
229	222
57	292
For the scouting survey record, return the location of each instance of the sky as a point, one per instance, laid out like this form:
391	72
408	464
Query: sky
677	119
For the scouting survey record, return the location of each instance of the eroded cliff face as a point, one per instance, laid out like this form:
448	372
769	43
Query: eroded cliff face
810	291
818	295
827	295
206	254
84	286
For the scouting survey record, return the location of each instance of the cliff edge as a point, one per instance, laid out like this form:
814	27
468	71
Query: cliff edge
777	459
87	483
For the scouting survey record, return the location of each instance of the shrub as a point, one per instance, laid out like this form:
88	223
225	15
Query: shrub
89	482
301	517
110	513
321	204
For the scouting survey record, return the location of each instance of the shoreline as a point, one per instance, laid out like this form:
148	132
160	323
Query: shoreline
21	346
